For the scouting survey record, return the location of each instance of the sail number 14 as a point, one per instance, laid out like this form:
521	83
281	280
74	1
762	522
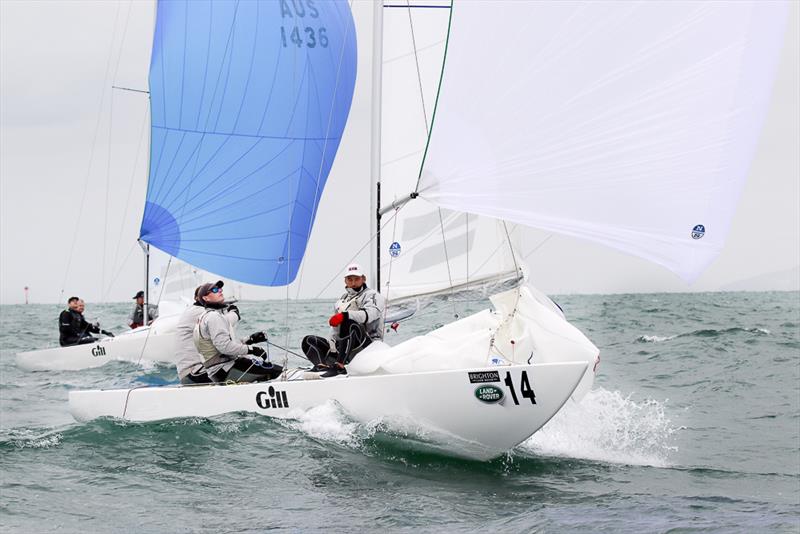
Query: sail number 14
524	386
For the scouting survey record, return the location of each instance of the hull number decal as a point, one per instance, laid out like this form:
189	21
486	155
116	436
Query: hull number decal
489	394
524	386
99	350
272	399
479	377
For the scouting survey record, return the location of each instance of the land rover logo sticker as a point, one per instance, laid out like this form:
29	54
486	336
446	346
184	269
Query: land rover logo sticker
479	377
489	394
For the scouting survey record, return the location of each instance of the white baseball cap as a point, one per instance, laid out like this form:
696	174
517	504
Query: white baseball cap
354	269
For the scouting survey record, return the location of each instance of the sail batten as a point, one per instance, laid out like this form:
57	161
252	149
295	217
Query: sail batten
248	104
631	124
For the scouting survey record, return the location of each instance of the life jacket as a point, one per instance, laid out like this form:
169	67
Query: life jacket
208	352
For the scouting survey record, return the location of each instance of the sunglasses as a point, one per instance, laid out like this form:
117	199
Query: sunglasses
216	289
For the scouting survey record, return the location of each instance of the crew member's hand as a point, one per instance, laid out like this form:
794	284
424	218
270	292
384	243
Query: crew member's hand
256	337
107	333
337	319
257	351
234	309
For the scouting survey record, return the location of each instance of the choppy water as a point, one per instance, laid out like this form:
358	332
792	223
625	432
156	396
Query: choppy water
693	424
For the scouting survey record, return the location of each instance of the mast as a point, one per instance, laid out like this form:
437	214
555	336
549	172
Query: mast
375	143
146	250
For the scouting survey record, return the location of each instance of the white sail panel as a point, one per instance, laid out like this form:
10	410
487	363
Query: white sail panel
631	124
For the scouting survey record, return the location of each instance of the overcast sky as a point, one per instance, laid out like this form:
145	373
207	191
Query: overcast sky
57	64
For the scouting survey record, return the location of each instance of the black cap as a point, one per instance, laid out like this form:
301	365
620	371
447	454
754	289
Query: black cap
205	289
140	294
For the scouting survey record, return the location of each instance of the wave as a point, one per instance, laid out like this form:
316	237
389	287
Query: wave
610	427
704	333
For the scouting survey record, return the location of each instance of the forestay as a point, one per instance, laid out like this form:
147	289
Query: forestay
631	124
248	104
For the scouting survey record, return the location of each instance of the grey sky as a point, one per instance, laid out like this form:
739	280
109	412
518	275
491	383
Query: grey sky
57	62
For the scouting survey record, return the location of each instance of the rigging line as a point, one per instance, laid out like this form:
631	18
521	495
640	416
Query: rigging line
91	160
129	195
427	134
419	75
420	49
105	204
416	6
146	312
467	245
130	89
109	156
324	148
510	247
365	245
124	261
389	276
436	102
447	262
490	256
292	195
537	247
287	350
289	194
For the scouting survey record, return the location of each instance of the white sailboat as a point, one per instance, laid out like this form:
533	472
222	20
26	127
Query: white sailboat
154	342
627	124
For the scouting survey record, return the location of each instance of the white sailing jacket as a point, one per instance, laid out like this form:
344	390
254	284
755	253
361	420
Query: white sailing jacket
365	307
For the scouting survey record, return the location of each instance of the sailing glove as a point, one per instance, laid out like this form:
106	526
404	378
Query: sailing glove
257	351
337	319
234	309
107	333
257	337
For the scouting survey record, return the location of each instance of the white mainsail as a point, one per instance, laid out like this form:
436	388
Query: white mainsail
631	124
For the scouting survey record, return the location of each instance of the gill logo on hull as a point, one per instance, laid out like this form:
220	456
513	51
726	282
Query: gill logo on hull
99	350
272	399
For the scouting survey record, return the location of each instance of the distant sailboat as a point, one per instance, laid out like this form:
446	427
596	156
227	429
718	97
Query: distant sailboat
627	124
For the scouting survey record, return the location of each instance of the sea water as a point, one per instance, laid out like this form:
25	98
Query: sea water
693	424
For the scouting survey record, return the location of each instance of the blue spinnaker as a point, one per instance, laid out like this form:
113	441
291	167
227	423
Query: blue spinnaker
248	103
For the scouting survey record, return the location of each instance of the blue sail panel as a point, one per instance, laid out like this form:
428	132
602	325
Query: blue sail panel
249	100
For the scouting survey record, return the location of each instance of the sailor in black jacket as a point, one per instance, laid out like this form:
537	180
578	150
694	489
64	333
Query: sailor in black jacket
72	326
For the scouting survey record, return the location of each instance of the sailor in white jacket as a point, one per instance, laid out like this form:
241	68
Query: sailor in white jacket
190	364
357	322
224	357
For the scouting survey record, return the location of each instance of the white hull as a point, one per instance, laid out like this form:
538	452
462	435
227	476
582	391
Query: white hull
441	406
155	343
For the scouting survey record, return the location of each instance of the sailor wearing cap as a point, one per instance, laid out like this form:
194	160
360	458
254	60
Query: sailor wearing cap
190	364
223	357
357	321
136	317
